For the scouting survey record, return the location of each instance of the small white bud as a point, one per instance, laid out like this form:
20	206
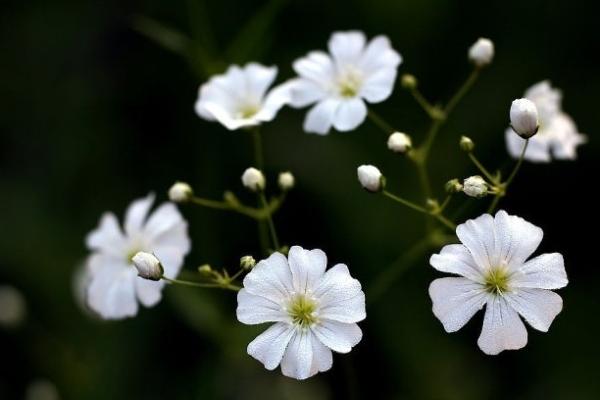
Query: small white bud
399	142
13	308
524	118
148	266
180	192
370	178
453	186
253	179
247	262
481	52
475	186
286	181
466	144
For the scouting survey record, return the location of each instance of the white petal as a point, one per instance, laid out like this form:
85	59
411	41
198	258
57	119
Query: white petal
546	271
350	114
108	237
307	266
317	66
254	309
298	357
379	86
269	346
322	357
502	328
539	307
227	117
378	55
148	292
456	259
270	278
171	259
276	98
338	336
347	47
456	300
304	92
516	239
340	296
565	137
478	236
320	118
537	151
258	79
135	216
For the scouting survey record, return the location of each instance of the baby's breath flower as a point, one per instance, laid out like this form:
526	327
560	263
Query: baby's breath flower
466	144
370	178
453	186
180	192
481	52
475	186
253	179
524	118
148	266
247	262
399	142
493	271
286	181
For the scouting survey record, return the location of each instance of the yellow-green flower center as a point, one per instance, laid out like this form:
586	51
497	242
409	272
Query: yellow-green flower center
302	310
349	83
496	280
248	111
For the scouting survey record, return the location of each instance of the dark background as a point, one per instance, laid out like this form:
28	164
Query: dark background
94	114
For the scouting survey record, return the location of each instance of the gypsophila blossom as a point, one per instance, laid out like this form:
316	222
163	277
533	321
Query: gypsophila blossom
475	186
253	179
240	98
481	52
370	178
494	271
399	142
148	266
557	136
114	288
354	72
314	311
286	181
524	118
180	192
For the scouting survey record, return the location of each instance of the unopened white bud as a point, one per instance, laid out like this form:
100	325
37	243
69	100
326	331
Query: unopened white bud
180	192
370	178
247	262
12	307
253	179
481	52
148	266
286	181
524	118
399	142
475	186
466	144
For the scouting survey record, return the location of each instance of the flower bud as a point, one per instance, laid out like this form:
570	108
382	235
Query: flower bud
180	192
370	178
13	308
481	52
453	186
253	179
286	181
475	186
466	144
148	266
205	269
247	263
399	142
524	118
408	81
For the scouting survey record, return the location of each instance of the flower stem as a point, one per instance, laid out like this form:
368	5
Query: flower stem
405	202
223	285
483	170
504	187
462	90
219	205
380	122
272	230
422	101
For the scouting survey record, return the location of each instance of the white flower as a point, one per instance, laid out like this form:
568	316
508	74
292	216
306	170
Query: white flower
286	181
253	179
370	178
557	136
399	142
524	118
314	311
239	97
475	186
340	82
13	308
481	52
115	288
148	266
494	271
180	192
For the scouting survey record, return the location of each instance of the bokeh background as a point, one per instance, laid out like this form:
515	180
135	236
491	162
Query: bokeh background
96	109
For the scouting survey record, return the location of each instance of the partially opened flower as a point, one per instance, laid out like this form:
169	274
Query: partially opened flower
557	136
240	98
340	82
114	288
314	311
494	271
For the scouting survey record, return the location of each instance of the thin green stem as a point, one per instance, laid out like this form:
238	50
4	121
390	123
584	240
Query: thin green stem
405	202
227	286
272	230
449	224
423	102
219	205
462	91
380	122
517	166
483	170
494	203
436	124
445	202
258	150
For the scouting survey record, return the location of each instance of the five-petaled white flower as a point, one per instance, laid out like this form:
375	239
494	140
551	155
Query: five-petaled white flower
114	287
557	136
340	83
239	97
314	311
494	271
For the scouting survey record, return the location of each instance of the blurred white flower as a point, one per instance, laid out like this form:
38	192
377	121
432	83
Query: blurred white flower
399	142
481	52
340	82
13	308
475	186
524	118
314	311
253	179
286	181
114	287
239	98
370	178
557	136
41	389
494	271
180	192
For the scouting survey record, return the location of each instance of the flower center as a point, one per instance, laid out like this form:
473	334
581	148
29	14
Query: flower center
496	280
349	82
247	111
302	310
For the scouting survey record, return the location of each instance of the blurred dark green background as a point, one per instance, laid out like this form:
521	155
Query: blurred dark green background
94	114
